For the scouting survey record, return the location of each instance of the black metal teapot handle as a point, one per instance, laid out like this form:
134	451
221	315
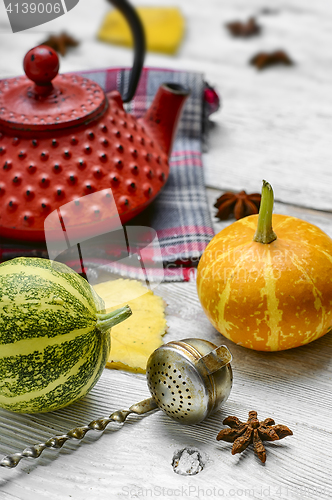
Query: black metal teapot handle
137	30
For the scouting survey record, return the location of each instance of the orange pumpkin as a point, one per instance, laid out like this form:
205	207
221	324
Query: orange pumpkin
268	291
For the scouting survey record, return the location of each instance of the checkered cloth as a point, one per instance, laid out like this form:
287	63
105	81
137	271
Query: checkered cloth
180	214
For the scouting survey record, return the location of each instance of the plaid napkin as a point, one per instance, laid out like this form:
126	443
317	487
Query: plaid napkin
179	215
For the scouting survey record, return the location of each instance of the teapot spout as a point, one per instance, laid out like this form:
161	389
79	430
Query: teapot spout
161	119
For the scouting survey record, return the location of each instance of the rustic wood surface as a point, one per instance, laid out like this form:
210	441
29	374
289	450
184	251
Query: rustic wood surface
274	125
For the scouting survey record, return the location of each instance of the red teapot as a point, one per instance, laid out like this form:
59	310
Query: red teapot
62	138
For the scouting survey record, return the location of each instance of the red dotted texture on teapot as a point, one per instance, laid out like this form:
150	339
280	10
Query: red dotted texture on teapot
42	172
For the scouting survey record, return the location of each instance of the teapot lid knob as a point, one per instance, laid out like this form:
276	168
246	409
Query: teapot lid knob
41	65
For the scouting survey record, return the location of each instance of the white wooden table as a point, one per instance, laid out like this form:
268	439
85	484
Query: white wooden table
274	125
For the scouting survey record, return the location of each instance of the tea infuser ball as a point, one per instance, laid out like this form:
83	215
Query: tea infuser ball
188	380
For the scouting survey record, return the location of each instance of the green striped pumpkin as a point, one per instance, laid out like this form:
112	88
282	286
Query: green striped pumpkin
54	335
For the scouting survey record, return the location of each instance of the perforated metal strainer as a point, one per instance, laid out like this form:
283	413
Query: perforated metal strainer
188	380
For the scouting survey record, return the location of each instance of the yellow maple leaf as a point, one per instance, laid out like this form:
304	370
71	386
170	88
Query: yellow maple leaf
135	339
163	27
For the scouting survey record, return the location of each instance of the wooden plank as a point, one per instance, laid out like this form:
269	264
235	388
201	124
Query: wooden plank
291	387
317	217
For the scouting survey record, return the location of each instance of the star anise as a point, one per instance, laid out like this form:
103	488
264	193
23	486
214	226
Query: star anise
61	42
263	60
252	432
244	29
241	204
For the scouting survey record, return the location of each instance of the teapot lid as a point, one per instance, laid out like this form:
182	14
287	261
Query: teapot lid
44	100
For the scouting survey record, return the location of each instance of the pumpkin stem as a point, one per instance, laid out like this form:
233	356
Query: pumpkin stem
264	232
106	321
